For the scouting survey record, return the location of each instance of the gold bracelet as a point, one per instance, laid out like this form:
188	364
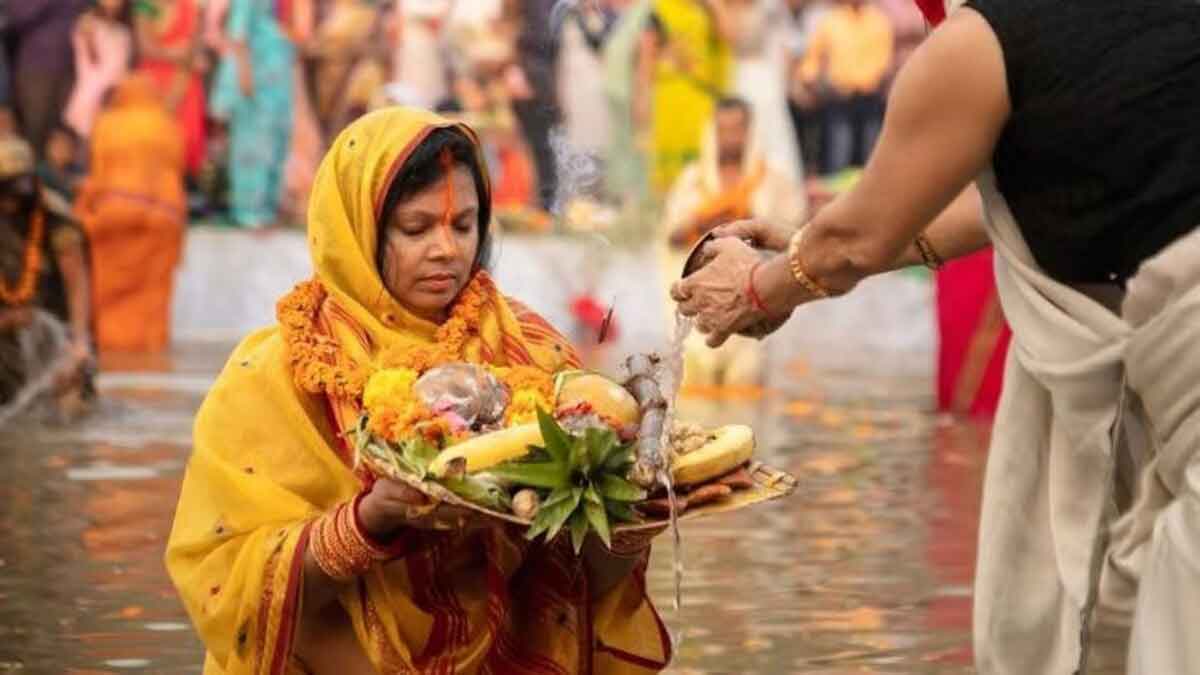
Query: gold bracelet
928	254
798	272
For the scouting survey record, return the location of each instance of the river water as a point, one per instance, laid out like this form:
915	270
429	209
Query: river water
866	569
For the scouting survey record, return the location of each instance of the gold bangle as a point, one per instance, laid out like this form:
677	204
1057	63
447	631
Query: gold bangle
928	254
798	272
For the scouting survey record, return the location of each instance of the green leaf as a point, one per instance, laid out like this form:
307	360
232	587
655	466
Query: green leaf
619	459
620	512
600	443
551	517
568	507
618	489
558	442
561	494
548	475
590	496
480	492
579	456
594	508
579	530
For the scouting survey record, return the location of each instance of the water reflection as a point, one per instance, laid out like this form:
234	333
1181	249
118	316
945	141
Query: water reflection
865	569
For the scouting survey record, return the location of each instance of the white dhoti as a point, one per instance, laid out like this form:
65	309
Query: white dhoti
1091	516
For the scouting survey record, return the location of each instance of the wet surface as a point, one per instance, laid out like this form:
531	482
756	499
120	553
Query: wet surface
866	569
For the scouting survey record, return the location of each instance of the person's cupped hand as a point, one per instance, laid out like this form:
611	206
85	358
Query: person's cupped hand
717	294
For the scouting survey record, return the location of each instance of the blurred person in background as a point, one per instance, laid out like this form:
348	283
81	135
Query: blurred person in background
686	65
483	101
103	46
347	51
625	162
760	71
38	35
419	52
299	18
133	209
846	64
43	285
909	28
170	45
253	93
800	19
533	85
586	126
733	180
60	168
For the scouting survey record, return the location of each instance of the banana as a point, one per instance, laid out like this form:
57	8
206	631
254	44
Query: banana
484	452
732	447
606	397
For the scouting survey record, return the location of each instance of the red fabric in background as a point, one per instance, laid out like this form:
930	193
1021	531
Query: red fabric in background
934	10
965	287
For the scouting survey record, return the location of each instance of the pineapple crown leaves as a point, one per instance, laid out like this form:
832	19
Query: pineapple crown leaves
582	482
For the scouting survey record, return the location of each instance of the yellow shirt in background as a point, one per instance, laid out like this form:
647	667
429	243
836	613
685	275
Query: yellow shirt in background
852	48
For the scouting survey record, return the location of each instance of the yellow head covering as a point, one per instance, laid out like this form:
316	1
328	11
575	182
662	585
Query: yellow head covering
344	213
269	459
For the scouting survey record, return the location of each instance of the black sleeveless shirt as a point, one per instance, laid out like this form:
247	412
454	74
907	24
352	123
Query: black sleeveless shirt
1100	159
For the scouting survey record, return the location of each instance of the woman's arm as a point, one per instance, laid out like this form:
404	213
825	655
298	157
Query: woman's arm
72	263
956	233
946	112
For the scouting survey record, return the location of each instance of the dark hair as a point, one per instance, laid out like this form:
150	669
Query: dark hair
735	103
423	168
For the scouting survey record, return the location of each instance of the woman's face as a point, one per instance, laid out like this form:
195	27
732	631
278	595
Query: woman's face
430	245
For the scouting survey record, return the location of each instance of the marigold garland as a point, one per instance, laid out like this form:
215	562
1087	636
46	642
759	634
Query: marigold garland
386	392
22	291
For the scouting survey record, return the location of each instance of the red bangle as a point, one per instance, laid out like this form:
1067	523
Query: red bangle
753	293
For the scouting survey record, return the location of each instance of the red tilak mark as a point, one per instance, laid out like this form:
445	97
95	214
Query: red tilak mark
448	213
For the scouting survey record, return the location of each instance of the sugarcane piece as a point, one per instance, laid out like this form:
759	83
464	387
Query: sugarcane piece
651	459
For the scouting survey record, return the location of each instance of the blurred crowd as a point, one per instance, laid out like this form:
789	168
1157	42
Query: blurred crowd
258	88
122	121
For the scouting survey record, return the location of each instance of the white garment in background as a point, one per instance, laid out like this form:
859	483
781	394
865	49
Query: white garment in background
760	78
581	92
420	58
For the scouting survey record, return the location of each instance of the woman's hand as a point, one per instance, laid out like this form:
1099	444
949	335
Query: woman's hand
758	234
717	295
392	505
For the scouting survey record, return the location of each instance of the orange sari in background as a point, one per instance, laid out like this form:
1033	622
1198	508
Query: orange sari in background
271	458
132	206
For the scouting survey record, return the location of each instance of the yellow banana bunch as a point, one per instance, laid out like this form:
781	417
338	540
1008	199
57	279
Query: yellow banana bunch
484	452
728	448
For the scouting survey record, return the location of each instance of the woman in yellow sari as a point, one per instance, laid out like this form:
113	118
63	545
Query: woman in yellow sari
289	558
686	63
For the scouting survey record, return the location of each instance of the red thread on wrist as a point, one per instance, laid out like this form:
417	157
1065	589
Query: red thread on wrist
755	299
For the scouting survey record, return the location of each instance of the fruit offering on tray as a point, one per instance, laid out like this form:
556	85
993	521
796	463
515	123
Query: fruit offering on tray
559	453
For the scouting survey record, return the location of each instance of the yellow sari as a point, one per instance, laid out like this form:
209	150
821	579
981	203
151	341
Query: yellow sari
269	461
691	74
